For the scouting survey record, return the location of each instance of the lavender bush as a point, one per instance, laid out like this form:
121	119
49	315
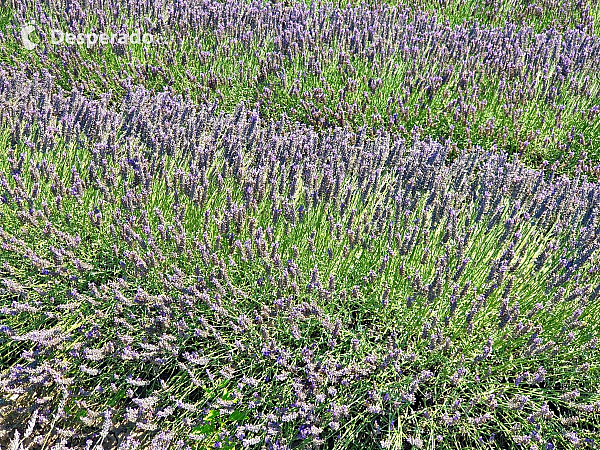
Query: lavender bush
561	15
177	277
394	68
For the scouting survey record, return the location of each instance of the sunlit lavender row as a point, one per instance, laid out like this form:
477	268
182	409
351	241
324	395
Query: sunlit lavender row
173	277
558	14
391	68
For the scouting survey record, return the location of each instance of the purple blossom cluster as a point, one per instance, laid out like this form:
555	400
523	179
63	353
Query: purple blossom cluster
175	277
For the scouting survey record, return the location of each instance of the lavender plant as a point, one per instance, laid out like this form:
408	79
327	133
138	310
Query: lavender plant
177	277
561	15
398	69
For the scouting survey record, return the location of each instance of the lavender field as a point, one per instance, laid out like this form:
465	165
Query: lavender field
295	225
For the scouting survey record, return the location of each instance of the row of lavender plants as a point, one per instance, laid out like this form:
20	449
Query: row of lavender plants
176	277
390	68
540	15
